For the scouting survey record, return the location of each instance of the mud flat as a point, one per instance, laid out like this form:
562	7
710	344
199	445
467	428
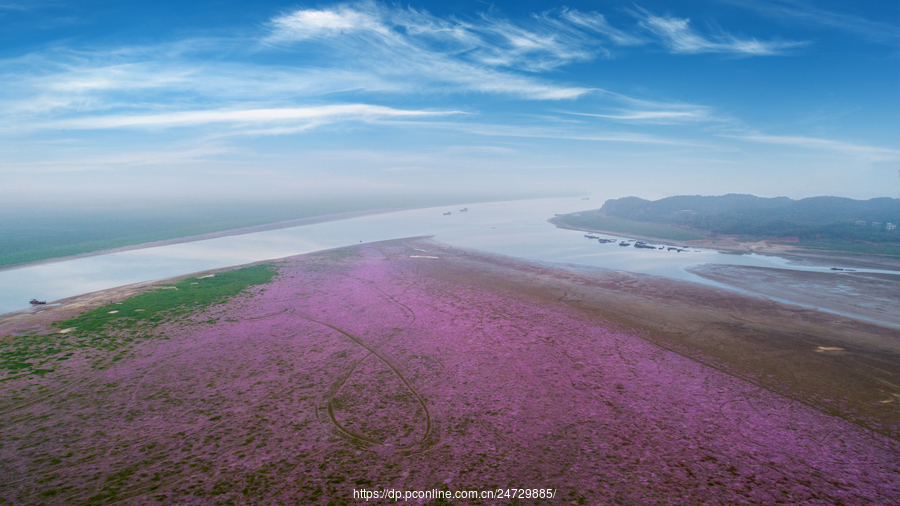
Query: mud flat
872	296
381	367
773	246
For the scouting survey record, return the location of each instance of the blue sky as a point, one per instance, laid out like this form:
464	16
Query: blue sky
272	100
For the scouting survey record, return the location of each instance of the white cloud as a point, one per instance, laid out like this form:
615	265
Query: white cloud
361	48
352	48
311	23
548	132
803	12
868	153
303	115
597	23
680	37
407	37
633	110
645	116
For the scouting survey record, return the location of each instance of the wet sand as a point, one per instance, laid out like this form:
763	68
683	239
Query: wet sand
729	244
378	366
872	296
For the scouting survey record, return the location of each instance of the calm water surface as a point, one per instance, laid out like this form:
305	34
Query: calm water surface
517	228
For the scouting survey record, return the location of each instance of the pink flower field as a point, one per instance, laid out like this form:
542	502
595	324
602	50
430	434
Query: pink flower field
359	369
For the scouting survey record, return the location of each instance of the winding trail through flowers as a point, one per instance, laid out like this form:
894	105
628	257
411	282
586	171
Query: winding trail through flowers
334	391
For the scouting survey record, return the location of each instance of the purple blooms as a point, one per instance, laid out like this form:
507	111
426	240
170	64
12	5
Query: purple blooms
367	372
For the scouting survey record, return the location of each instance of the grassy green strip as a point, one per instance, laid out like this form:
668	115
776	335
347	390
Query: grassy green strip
102	333
883	249
186	295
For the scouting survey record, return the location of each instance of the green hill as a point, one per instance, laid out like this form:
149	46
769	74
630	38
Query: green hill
834	223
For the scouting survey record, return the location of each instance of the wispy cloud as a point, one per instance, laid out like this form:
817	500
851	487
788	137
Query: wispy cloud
96	82
348	57
632	110
546	41
305	116
597	23
559	133
794	11
355	48
311	23
484	54
678	35
652	116
868	153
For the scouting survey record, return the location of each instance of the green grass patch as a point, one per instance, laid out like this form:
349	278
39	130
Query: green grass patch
593	220
185	296
103	336
882	249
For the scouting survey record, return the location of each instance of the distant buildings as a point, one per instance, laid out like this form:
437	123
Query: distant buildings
890	227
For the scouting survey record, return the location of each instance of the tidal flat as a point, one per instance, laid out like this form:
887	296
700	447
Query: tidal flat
416	366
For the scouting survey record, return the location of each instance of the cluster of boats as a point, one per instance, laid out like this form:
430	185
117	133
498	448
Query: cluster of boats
635	243
602	240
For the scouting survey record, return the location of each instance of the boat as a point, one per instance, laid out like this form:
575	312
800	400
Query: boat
35	302
447	213
464	210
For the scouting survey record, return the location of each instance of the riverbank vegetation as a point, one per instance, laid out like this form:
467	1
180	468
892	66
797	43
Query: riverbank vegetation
820	223
105	334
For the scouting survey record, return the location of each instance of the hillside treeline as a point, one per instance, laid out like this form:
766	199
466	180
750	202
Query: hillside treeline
815	218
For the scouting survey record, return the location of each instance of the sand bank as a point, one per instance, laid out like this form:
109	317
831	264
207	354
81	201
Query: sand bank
730	244
212	235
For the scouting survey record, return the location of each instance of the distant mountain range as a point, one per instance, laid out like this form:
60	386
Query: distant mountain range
815	218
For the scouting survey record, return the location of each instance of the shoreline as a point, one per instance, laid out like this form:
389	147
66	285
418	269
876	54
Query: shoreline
298	222
727	245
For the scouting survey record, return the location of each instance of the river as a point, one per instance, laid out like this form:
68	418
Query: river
514	228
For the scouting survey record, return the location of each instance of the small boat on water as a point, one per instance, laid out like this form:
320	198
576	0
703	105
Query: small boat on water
447	213
35	302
